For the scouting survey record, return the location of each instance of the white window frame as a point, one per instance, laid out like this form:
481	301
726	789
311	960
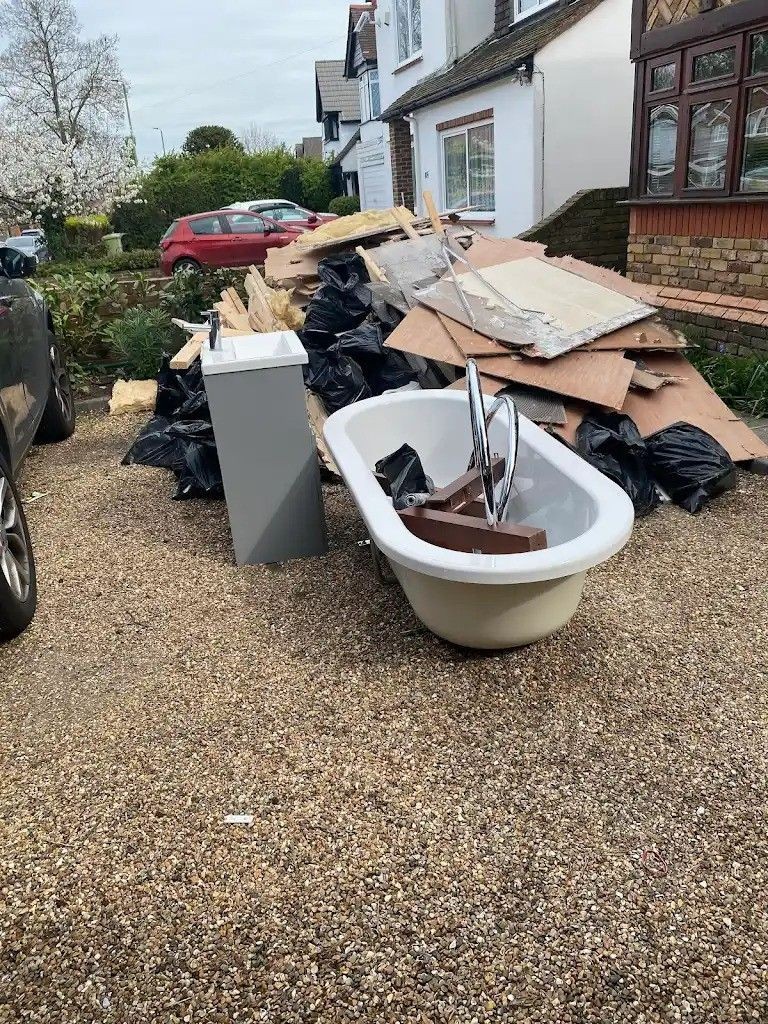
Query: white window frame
521	15
453	133
412	54
366	96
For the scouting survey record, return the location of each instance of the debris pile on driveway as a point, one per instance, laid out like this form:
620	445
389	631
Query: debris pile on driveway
383	301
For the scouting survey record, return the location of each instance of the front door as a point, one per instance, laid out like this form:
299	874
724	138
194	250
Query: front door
212	244
249	238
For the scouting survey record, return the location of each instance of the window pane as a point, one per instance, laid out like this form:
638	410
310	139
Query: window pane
663	77
415	26
455	153
375	94
403	29
714	65
662	144
482	177
710	128
206	226
759	65
243	224
754	173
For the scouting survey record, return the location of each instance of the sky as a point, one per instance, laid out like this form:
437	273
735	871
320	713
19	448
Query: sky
229	62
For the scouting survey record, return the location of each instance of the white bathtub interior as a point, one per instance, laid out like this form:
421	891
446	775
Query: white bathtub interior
542	494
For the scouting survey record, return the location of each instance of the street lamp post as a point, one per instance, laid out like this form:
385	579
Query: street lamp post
162	138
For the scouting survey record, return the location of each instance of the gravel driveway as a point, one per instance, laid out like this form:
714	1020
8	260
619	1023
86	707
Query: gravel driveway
568	833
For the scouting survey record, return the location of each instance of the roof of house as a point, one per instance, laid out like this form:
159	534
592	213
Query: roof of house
366	37
334	93
347	149
312	145
495	57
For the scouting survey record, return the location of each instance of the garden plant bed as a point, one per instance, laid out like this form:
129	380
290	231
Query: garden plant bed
571	832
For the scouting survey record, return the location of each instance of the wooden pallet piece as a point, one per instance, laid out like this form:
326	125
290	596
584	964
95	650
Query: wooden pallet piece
458	532
404	223
374	270
437	225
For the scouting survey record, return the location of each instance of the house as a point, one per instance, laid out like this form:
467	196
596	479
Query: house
508	107
361	67
337	102
699	187
310	146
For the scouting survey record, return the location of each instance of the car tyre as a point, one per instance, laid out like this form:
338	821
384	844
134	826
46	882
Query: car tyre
58	422
187	264
18	579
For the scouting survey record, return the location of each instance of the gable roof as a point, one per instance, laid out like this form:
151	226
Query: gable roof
347	149
334	93
495	57
365	38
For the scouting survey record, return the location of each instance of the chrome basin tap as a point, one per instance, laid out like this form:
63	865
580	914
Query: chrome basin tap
212	325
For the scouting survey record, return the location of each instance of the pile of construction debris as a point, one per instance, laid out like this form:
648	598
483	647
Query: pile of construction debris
563	337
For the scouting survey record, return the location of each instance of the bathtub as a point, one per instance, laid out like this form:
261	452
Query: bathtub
476	600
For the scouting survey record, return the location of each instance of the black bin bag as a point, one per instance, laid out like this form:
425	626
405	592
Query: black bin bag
343	300
384	369
154	446
335	378
611	442
690	465
408	483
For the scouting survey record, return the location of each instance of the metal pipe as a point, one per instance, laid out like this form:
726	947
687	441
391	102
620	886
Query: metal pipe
495	511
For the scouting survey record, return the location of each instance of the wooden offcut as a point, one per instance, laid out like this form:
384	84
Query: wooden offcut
458	532
434	216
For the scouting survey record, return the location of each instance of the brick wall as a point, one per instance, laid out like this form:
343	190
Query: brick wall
402	162
709	262
719	248
503	15
591	226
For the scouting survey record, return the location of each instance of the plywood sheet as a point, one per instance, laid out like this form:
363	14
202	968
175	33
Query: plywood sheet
470	342
599	377
648	334
422	334
691	400
569	303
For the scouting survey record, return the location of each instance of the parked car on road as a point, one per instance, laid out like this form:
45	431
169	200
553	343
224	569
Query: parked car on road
224	238
286	212
36	404
30	245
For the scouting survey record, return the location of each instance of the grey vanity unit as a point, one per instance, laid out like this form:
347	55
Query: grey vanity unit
266	449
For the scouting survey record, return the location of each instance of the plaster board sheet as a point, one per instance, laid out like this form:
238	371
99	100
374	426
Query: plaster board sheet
572	308
409	263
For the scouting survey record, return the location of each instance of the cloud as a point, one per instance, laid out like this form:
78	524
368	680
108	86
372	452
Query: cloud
192	62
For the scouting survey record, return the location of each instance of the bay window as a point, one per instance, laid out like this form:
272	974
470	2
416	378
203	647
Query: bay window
469	176
704	120
408	15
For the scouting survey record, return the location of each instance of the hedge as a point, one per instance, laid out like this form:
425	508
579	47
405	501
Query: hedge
180	184
344	206
136	259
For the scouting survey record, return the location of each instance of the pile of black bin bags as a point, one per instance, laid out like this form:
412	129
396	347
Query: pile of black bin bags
179	436
683	460
344	336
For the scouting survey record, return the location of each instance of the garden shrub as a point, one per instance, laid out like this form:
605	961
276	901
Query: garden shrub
140	337
344	206
82	235
81	304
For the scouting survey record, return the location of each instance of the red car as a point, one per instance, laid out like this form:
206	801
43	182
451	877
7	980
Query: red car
286	213
225	238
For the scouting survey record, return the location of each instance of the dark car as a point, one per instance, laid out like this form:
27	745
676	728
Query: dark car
223	238
30	245
36	405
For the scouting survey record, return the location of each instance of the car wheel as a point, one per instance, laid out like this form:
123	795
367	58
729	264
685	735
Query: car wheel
18	581
186	265
58	422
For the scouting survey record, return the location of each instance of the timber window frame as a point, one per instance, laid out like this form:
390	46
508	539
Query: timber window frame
722	169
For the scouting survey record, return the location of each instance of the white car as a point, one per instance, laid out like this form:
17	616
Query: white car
283	210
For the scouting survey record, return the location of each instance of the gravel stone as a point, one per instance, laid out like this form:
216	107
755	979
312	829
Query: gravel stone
570	833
